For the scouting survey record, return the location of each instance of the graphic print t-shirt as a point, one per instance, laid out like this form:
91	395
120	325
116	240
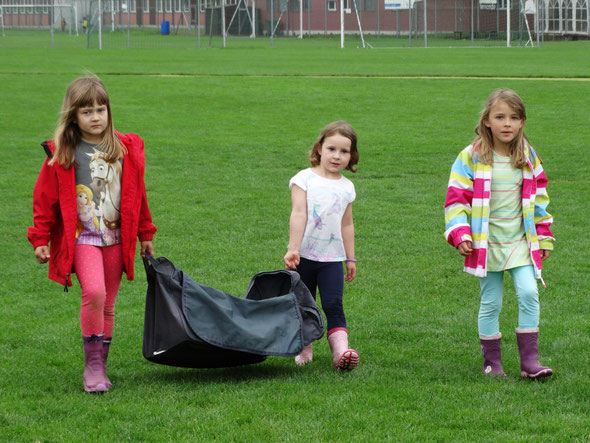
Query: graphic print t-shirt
98	197
327	201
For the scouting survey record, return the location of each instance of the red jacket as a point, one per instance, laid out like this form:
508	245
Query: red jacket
55	217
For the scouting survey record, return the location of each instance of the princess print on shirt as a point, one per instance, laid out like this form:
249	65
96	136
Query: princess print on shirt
101	181
87	212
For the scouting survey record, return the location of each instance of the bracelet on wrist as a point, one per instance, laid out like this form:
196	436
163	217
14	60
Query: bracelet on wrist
351	260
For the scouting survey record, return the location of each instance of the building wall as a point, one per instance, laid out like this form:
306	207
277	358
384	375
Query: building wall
448	16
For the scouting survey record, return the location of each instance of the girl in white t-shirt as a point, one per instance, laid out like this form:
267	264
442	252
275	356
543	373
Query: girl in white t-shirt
321	233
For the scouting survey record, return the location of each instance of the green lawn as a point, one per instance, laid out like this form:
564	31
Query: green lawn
224	131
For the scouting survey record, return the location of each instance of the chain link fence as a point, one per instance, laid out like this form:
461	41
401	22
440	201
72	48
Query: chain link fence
383	23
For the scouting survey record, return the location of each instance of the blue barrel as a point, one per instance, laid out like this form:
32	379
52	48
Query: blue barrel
165	27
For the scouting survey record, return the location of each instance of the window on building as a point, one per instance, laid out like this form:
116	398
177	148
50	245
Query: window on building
582	16
306	4
331	5
294	5
553	16
146	6
568	16
168	4
159	5
370	5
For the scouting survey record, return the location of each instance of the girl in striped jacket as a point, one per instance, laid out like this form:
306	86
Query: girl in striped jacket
496	216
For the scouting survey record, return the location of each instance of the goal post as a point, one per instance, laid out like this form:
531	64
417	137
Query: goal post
42	10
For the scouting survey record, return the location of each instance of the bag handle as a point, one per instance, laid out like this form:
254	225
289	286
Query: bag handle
148	260
161	265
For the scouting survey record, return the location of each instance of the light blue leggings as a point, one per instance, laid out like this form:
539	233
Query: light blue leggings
527	295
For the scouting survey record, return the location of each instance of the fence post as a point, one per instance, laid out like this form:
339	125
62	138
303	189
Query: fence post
99	24
472	35
410	23
508	23
425	27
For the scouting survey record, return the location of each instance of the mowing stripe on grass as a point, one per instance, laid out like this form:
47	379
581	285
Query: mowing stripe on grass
327	76
395	77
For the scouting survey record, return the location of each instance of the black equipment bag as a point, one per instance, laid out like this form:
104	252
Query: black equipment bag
196	326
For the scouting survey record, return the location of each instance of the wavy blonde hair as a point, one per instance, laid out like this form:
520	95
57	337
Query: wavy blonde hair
484	141
345	130
83	92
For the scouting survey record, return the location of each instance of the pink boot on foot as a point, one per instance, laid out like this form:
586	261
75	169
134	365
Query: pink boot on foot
306	355
94	376
343	358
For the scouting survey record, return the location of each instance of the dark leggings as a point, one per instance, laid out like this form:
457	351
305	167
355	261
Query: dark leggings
328	277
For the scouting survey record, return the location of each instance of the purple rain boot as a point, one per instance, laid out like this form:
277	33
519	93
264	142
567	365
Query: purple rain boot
529	354
94	376
106	344
492	354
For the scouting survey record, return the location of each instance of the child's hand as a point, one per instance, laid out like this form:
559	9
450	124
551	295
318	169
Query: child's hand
42	254
147	248
464	248
544	254
291	260
350	271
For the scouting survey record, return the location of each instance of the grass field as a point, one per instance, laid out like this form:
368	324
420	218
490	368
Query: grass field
224	131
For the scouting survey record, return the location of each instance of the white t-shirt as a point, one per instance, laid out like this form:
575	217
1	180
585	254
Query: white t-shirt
327	201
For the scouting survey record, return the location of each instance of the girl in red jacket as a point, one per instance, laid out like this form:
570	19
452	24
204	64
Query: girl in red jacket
89	208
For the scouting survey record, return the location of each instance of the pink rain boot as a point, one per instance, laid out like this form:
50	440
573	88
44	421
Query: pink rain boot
343	358
529	354
94	376
306	355
492	354
106	344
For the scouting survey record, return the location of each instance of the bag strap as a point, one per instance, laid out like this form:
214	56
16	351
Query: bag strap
148	260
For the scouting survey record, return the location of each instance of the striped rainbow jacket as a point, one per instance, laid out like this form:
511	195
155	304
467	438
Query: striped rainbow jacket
468	203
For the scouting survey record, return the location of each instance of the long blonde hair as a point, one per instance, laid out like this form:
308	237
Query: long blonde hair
484	142
83	92
345	130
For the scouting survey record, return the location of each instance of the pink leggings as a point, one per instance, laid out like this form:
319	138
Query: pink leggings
99	271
